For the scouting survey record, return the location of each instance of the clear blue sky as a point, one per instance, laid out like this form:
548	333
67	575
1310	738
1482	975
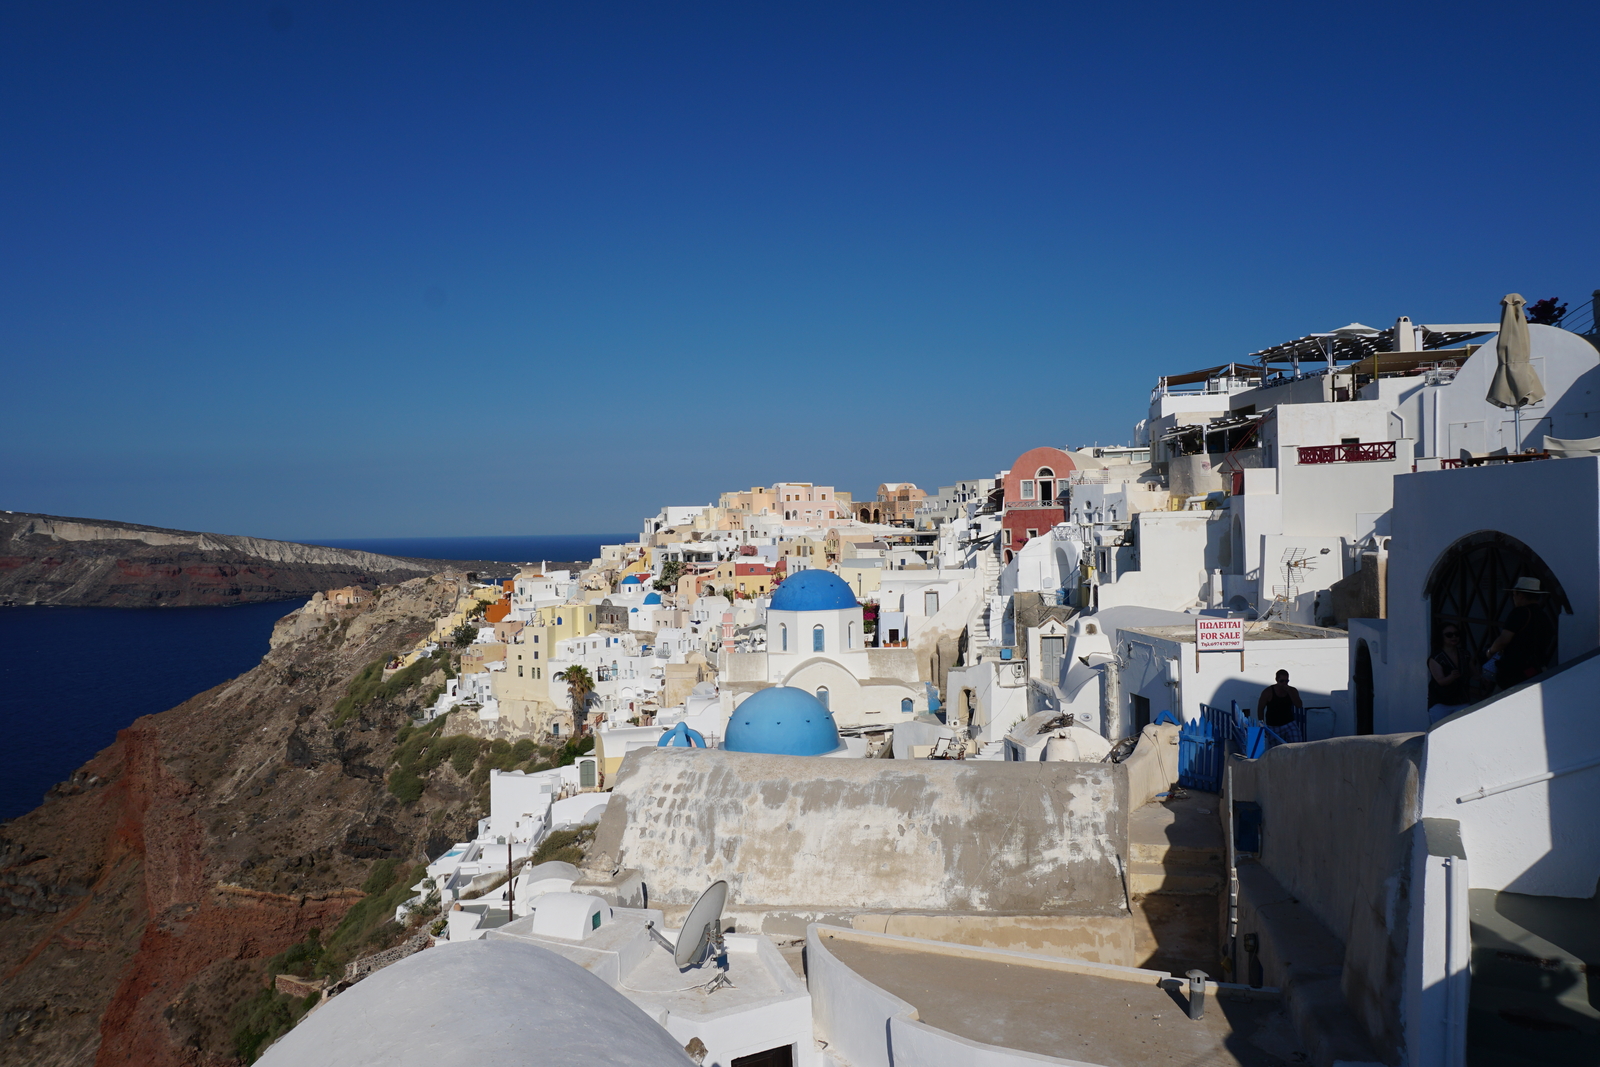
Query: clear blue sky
387	269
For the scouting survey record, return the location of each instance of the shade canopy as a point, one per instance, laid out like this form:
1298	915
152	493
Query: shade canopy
1515	383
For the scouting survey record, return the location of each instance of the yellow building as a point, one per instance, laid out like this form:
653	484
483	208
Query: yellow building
565	620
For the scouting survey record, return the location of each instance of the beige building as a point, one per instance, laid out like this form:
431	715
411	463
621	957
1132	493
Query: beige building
896	505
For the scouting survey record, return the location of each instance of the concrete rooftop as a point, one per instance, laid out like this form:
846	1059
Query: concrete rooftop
1004	999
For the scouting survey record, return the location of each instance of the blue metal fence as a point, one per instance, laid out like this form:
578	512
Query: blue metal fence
1203	744
1200	752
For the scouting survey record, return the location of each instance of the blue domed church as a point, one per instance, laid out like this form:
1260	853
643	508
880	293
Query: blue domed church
816	644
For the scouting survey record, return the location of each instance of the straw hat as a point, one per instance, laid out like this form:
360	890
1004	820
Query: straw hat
1528	585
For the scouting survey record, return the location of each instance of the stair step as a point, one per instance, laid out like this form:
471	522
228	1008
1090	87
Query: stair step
1145	878
1175	855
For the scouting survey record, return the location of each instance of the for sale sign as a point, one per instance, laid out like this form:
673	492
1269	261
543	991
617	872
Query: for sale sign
1218	635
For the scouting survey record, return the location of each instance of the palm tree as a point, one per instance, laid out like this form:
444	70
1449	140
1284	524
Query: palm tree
580	684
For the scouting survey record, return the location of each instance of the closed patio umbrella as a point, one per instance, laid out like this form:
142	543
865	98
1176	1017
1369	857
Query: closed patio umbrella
1515	381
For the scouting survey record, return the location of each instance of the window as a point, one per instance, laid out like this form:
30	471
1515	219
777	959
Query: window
905	706
822	695
519	670
783	638
1032	534
1027	488
817	642
850	636
1007	537
930	603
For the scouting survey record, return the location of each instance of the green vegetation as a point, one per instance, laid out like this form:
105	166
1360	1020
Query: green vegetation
580	683
368	925
671	571
576	746
368	687
567	846
422	750
464	635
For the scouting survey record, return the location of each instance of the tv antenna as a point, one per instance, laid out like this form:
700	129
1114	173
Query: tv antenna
1295	563
700	941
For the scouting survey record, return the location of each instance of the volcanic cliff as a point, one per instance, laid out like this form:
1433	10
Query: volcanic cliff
46	559
139	903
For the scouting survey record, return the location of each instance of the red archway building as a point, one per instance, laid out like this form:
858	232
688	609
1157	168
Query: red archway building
1035	496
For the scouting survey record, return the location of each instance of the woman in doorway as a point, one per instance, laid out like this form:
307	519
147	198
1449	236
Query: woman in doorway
1452	675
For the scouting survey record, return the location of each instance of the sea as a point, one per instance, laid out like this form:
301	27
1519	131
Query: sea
70	678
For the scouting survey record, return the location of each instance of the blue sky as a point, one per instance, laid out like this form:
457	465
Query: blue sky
362	270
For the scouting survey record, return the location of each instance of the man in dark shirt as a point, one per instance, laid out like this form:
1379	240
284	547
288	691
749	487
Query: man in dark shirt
1278	702
1523	646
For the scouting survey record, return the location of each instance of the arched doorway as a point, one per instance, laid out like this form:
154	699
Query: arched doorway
1471	586
1364	690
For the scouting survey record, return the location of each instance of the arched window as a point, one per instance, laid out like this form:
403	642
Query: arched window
822	696
783	638
1471	587
1047	484
817	642
850	635
905	706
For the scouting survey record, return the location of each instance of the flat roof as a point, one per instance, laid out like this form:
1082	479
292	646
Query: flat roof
1020	1002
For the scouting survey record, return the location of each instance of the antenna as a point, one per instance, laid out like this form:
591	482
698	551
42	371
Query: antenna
700	940
1295	563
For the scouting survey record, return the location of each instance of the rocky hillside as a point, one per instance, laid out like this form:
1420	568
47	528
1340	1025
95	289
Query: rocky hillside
45	559
140	904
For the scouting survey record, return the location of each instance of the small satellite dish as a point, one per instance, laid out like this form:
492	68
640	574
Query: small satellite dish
702	930
700	940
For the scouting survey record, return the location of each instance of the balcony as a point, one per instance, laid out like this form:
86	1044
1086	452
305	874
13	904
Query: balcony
1014	505
1365	452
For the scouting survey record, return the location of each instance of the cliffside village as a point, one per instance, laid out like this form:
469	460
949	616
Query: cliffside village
1266	739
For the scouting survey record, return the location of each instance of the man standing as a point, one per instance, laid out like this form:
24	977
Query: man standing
1278	702
1523	648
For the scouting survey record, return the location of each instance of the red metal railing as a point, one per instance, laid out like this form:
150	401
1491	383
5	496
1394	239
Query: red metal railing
1365	452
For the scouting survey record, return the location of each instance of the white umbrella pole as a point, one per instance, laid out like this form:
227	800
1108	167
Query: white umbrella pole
1516	422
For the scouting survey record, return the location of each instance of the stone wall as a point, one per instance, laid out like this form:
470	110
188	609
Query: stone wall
1335	822
846	836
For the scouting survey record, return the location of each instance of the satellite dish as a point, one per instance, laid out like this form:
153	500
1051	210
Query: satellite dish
702	930
700	939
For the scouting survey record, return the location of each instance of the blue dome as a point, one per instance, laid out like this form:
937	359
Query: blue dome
783	721
632	579
813	590
651	598
681	736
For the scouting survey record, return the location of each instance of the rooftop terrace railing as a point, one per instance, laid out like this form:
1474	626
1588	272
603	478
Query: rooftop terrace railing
1365	452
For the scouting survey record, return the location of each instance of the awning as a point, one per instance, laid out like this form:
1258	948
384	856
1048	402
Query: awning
1221	370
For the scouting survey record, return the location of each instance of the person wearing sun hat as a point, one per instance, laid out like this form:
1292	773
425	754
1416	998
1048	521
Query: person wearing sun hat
1523	647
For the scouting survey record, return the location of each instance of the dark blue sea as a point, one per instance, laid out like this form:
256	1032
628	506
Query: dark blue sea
70	678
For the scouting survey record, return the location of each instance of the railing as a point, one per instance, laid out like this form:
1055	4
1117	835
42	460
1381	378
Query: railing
1012	505
1204	743
1355	453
